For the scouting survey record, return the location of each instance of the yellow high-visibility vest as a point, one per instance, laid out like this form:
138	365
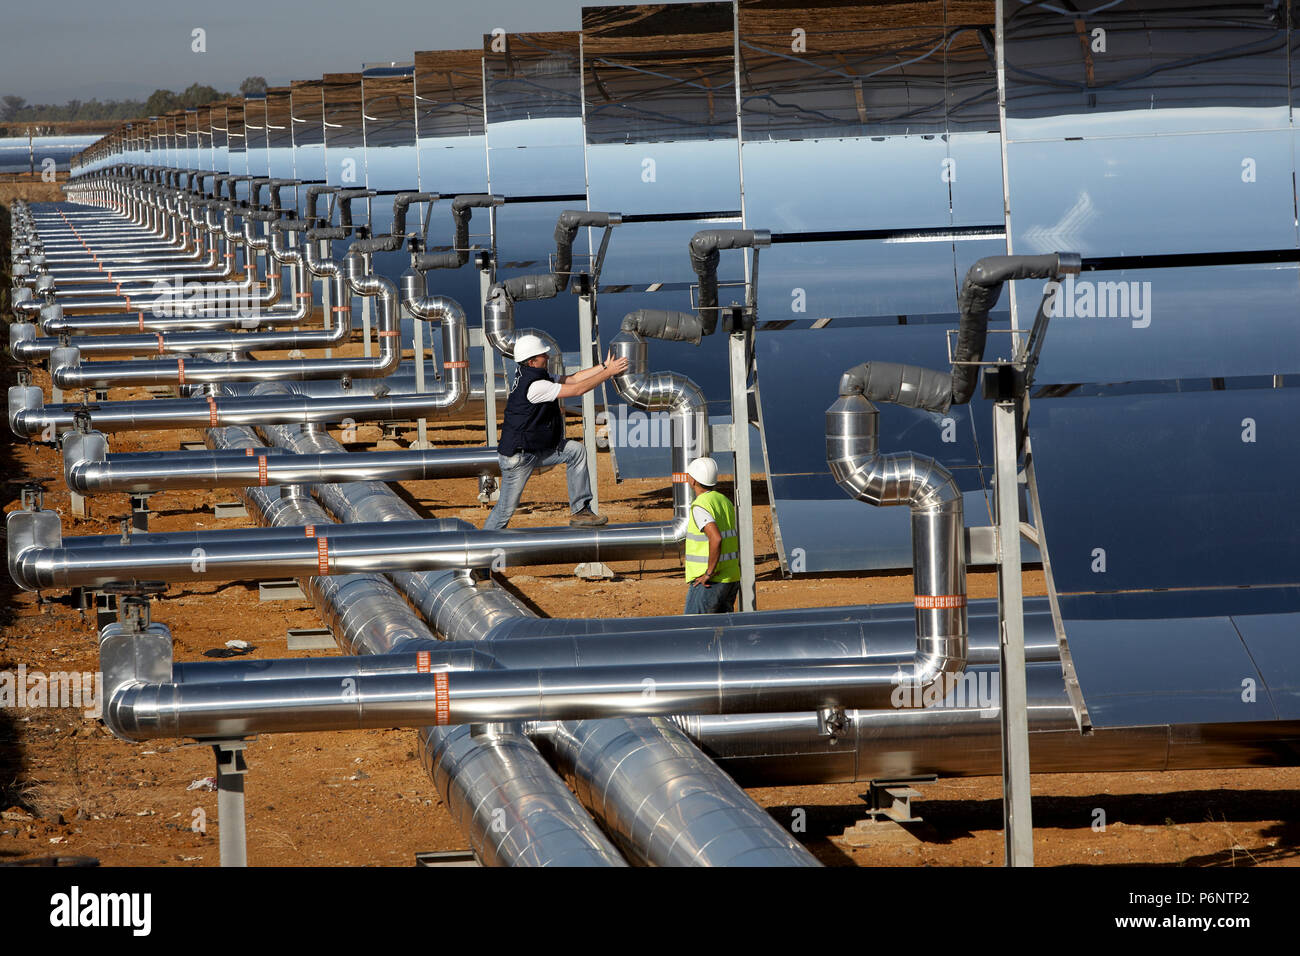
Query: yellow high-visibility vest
697	543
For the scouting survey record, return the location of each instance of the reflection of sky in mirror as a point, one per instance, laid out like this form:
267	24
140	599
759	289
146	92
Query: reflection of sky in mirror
545	131
867	278
646	253
687	176
547	163
1225	321
533	104
525	242
1185	451
17	153
809	362
874	182
451	165
1212	192
1137	673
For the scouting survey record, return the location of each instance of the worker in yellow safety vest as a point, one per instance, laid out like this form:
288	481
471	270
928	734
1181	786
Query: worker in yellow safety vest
712	548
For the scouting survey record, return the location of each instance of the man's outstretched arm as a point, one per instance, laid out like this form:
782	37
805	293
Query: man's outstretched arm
580	383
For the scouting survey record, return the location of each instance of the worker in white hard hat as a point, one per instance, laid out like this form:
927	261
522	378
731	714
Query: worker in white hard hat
532	434
712	547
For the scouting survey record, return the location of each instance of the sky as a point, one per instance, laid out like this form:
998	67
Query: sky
55	51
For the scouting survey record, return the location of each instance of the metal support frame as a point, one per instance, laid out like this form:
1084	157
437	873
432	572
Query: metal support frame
447	858
891	798
1072	689
293	267
417	356
738	353
325	252
486	276
585	285
365	319
231	825
105	603
1017	812
588	348
587	357
140	511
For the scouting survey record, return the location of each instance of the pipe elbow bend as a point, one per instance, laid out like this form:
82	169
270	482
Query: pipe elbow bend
67	376
120	711
136	711
77	479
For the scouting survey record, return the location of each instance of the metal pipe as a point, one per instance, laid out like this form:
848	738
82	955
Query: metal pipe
514	638
635	774
549	285
160	319
938	561
687	408
155	471
79	303
28	415
510	804
143	711
455	338
106	374
960	736
500	332
467	610
915	387
37	568
96	564
204	539
513	807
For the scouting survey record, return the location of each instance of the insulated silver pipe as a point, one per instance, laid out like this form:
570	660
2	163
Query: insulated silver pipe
29	416
496	785
204	539
882	634
134	250
243	313
96	565
106	374
513	808
129	280
455	338
960	736
155	471
499	329
26	347
635	774
687	408
938	561
468	611
143	710
154	338
72	565
242	296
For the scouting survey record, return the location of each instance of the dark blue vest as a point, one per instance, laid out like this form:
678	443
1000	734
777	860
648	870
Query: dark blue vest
529	426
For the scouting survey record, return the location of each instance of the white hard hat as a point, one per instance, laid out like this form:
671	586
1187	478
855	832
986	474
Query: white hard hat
529	346
704	470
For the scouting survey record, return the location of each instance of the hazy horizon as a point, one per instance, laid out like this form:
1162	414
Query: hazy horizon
128	51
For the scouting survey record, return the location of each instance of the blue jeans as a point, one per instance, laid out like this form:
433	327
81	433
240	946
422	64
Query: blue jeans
516	470
715	599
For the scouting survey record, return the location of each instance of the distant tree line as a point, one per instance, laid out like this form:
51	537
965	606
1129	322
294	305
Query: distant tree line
15	109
